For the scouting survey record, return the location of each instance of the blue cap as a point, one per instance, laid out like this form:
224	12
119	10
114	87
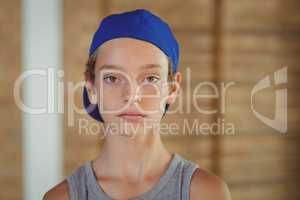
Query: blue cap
138	24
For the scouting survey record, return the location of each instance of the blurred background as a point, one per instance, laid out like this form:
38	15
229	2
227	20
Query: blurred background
221	41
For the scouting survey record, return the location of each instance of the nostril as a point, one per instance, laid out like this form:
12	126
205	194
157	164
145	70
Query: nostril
131	94
133	98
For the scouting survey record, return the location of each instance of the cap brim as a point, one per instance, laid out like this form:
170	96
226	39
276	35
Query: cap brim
91	109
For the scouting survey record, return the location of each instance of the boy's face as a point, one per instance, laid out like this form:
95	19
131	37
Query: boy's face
131	77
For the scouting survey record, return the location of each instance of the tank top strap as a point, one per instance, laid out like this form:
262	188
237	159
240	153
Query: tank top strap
77	183
187	173
73	195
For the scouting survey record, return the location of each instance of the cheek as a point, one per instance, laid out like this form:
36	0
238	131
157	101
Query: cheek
109	97
153	96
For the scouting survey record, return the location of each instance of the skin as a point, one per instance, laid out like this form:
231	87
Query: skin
139	151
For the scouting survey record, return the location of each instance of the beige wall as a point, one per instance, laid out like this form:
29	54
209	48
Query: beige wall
10	118
240	41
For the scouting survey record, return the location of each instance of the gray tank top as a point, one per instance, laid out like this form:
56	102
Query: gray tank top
174	184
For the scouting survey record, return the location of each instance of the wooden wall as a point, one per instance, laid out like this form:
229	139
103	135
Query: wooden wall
10	116
221	41
260	38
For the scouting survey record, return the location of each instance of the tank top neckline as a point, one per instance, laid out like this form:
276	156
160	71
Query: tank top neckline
97	190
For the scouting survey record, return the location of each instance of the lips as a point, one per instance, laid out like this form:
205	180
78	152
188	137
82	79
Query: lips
131	116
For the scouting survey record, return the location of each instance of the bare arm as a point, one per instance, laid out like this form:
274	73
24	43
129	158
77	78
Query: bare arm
59	192
206	185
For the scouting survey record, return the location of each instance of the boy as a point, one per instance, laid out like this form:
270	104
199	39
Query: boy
132	58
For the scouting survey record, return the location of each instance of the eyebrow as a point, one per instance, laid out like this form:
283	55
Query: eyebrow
147	66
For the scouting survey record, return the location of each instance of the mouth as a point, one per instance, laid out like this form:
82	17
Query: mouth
131	116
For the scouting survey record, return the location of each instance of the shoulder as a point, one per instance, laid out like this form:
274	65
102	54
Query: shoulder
58	192
205	185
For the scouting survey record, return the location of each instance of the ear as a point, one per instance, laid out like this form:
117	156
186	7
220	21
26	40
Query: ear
174	88
90	88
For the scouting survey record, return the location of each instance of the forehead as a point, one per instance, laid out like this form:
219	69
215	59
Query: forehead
131	55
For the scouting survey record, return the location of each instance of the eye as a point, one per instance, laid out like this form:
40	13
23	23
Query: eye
152	79
111	79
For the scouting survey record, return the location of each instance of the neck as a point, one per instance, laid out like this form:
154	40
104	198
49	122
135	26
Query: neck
133	158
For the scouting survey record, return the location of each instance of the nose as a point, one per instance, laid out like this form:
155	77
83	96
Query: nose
131	93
